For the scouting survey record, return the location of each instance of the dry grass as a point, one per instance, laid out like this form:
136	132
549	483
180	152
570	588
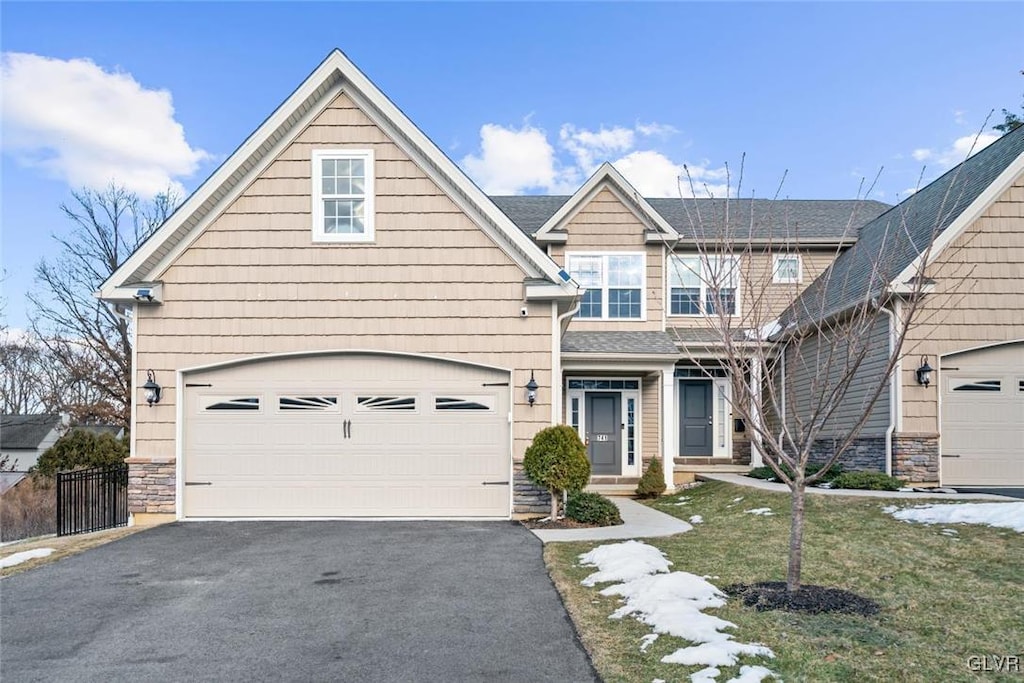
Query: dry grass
63	547
944	599
28	509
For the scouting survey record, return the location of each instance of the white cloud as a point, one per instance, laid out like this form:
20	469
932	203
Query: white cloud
89	127
922	154
956	152
515	160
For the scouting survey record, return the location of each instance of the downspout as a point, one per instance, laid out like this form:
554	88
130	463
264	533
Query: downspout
894	381
556	360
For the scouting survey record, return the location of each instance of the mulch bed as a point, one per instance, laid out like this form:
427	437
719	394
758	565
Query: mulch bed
772	595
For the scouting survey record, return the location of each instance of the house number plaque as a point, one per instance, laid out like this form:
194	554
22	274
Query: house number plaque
600	437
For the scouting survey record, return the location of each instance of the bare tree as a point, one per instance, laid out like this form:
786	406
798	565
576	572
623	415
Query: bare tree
88	340
826	335
22	386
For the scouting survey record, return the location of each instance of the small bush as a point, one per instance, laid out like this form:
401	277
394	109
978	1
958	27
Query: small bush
868	481
28	509
592	508
557	460
652	484
80	448
766	473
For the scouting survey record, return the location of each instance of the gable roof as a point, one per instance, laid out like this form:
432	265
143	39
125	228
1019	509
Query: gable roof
807	221
891	247
26	432
335	75
605	177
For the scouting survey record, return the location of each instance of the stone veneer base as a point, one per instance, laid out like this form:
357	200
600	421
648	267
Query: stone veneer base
151	484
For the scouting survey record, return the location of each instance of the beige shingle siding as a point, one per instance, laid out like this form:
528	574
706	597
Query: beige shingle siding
803	366
650	430
255	283
978	300
605	224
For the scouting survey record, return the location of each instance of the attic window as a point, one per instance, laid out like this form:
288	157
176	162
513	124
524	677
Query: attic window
343	195
787	269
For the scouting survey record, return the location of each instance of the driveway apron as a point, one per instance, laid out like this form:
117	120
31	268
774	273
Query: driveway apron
294	601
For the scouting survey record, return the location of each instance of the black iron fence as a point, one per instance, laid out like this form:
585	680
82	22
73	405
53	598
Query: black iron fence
92	499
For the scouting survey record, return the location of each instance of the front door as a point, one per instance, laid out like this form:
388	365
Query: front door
695	418
604	427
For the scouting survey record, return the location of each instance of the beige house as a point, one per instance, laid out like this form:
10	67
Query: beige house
341	324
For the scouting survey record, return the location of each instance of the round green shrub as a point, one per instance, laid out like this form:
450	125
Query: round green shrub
557	460
592	508
652	484
868	481
80	448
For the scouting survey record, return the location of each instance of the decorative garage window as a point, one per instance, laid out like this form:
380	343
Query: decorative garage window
607	384
343	196
321	403
630	431
980	385
1020	385
463	403
614	282
243	403
375	403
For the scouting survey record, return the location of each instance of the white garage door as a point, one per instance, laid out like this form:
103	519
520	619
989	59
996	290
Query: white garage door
347	435
982	427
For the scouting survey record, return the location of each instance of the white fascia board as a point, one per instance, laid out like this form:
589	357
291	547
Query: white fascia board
651	237
547	291
979	206
621	357
141	294
606	176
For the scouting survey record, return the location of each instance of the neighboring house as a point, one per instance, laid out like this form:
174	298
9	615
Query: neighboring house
967	426
343	324
23	438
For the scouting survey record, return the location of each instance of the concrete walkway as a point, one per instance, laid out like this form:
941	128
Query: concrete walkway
750	482
639	521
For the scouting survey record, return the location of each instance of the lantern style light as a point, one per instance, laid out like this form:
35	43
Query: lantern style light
151	388
531	390
924	373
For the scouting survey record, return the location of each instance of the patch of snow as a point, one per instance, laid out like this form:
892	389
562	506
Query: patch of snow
24	556
825	485
763	512
623	562
950	532
753	674
906	489
1001	515
684	502
670	603
709	576
696	519
708	675
658	680
736	500
889	509
647	641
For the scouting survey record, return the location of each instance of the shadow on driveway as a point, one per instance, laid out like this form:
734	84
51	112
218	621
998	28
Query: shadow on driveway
295	601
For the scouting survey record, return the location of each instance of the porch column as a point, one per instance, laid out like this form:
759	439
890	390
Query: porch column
667	435
756	374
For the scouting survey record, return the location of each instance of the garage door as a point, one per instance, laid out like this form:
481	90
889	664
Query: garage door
982	427
347	435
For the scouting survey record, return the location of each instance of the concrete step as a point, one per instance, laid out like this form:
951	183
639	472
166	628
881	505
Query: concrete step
687	474
612	489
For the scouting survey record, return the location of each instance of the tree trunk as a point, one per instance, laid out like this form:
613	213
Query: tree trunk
796	536
554	504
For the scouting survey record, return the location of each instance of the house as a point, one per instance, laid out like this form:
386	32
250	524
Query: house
963	423
23	438
339	323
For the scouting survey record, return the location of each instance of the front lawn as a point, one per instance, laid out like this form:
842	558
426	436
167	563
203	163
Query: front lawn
950	601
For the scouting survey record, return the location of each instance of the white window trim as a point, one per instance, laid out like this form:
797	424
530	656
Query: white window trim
318	197
779	280
703	287
604	287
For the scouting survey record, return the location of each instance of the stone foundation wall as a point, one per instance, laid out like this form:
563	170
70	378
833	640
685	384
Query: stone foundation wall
867	453
527	497
740	450
916	457
151	485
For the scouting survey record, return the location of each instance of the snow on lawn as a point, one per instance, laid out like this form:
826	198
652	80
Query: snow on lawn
763	512
696	519
25	556
671	604
1003	515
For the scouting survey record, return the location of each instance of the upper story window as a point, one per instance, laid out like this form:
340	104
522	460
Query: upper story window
698	285
787	269
343	196
614	282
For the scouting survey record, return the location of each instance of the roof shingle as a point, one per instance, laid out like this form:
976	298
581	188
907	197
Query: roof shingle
617	343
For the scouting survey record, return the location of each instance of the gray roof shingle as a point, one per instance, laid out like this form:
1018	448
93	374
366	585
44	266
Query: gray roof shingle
778	220
891	242
25	431
625	342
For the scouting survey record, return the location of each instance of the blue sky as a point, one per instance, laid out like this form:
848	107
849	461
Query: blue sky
525	97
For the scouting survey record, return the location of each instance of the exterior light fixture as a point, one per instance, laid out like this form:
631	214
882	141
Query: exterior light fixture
531	390
152	388
924	373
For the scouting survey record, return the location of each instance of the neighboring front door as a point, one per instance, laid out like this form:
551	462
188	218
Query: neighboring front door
604	427
695	418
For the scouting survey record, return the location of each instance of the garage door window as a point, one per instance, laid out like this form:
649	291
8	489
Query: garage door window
463	403
376	403
980	385
306	403
242	403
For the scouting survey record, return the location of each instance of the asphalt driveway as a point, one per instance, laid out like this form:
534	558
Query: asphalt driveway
294	601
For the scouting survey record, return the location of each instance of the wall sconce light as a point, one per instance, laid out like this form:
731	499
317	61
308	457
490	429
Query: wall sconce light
531	390
152	388
924	373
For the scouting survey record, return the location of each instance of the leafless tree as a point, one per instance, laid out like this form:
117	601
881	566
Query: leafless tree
87	339
730	244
